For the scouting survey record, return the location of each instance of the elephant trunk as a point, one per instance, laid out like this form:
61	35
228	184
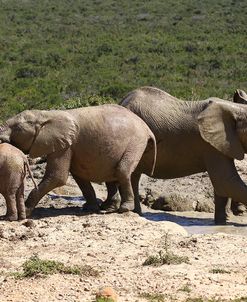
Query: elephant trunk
241	126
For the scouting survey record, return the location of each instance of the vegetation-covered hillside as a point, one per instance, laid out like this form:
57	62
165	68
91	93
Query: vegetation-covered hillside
67	53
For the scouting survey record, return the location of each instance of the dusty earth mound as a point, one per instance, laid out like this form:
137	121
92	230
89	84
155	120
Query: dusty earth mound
112	249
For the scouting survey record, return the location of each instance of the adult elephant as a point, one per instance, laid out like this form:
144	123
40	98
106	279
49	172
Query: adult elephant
195	137
100	143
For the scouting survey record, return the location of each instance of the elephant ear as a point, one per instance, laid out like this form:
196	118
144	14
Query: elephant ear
56	132
240	97
217	126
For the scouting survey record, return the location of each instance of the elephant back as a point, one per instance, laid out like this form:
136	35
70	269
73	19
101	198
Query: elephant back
160	111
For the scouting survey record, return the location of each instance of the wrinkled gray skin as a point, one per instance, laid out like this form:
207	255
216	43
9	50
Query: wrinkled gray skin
13	168
195	137
101	143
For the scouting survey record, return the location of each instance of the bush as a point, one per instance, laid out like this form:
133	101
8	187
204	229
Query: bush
34	267
63	49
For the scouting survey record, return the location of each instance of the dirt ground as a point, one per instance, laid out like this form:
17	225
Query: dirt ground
116	246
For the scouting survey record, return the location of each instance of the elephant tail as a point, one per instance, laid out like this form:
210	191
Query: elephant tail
27	166
154	147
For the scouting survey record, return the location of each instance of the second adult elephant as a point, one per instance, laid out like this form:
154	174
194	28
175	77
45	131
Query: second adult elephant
101	143
194	137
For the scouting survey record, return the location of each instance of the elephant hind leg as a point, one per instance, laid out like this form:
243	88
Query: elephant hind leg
125	168
127	195
135	178
12	213
88	192
112	202
20	202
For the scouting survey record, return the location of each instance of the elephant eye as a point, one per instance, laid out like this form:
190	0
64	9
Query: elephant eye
17	127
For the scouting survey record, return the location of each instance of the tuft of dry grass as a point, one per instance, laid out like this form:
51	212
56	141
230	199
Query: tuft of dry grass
165	256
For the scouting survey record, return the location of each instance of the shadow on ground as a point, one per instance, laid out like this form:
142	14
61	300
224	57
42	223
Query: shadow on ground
182	220
193	222
187	220
200	225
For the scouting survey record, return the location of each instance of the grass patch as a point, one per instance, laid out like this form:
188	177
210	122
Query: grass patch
153	297
165	256
219	271
242	299
186	288
35	266
104	300
52	52
197	300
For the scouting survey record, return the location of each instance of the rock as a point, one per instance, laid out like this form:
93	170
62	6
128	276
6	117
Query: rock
149	197
173	228
107	293
29	223
3	279
238	208
205	206
173	202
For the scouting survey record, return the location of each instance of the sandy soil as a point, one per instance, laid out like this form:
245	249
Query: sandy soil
117	245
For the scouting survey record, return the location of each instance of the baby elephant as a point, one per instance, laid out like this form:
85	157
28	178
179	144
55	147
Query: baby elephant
13	167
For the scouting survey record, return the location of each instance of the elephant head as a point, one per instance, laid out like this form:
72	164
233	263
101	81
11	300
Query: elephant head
38	132
224	126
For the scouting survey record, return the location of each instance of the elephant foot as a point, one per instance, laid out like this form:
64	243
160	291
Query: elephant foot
222	220
126	207
22	217
13	217
110	206
89	207
28	212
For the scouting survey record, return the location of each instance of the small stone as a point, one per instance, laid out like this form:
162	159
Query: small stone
2	279
107	293
29	223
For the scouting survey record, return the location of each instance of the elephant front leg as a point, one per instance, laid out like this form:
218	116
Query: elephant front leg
56	175
226	183
222	209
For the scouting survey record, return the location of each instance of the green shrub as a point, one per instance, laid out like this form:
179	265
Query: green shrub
104	300
36	267
219	271
165	256
61	49
153	297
